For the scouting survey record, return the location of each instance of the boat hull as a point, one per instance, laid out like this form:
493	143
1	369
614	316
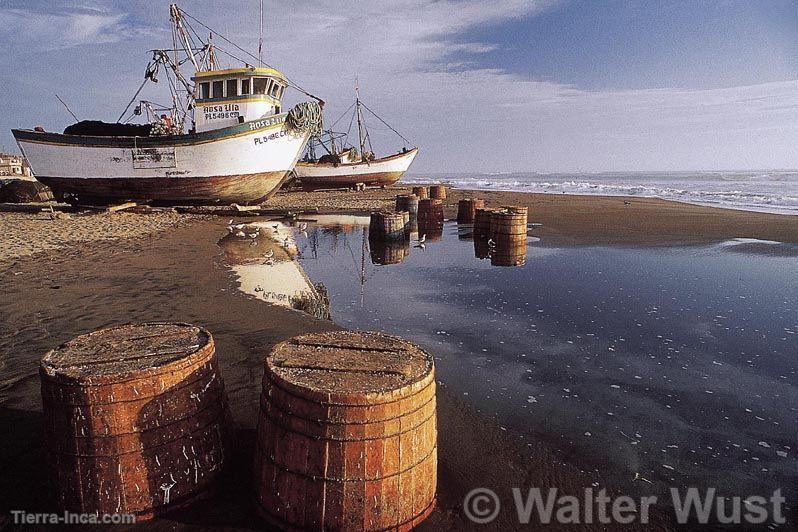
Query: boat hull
241	189
379	172
245	163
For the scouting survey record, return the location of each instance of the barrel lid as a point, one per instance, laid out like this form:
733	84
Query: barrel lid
114	353
351	367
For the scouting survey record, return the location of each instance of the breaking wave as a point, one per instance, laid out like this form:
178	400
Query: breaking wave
775	192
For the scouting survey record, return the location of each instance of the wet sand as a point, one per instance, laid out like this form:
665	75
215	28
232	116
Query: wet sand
60	278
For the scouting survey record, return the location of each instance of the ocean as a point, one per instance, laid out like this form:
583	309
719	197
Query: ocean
765	191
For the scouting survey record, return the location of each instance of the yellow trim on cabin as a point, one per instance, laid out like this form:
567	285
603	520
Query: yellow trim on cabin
252	71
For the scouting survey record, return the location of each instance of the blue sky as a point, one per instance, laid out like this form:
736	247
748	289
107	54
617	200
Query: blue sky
506	85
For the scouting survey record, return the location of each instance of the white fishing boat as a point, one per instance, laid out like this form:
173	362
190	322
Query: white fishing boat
344	166
224	140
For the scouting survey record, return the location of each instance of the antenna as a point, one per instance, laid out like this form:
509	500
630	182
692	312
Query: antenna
260	39
67	108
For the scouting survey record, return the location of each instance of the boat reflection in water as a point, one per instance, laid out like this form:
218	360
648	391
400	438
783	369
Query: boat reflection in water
265	262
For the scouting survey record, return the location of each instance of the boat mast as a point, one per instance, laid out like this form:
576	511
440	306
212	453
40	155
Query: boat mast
175	16
359	121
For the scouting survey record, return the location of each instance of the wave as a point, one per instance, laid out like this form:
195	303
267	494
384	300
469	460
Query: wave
775	192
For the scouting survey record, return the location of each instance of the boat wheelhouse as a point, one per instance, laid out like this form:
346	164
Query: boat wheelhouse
225	139
226	98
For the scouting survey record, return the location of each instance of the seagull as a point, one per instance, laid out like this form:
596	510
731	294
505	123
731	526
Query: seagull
627	202
303	226
240	234
422	239
239	226
269	254
639	477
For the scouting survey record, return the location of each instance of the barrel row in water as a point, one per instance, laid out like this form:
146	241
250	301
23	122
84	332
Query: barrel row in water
347	436
134	418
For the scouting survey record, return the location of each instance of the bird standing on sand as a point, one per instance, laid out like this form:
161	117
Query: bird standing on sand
422	239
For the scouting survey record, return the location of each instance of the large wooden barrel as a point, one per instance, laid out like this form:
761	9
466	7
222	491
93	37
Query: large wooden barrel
421	192
437	192
466	209
482	218
407	202
347	436
385	252
134	418
430	211
387	225
508	226
508	253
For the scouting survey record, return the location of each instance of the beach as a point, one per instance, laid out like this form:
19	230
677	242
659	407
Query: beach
61	277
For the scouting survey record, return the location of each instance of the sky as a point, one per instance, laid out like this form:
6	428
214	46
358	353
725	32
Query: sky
479	86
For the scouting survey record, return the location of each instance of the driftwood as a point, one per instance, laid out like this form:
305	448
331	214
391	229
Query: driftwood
121	207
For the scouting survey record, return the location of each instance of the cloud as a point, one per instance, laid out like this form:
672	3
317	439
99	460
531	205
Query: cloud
56	29
415	69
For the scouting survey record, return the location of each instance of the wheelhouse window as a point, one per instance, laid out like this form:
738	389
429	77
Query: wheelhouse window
232	87
260	85
204	91
218	89
274	91
245	86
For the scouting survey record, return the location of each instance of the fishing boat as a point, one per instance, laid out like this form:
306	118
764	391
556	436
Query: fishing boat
225	139
343	166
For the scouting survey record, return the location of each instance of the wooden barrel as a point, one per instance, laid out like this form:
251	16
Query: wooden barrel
466	209
508	226
134	417
508	253
482	218
347	436
430	211
516	209
385	252
437	192
405	220
386	225
407	202
431	230
421	192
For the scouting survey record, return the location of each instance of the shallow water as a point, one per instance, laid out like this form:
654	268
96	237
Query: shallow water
676	363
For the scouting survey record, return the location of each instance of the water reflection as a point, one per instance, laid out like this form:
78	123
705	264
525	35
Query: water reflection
263	256
384	252
675	363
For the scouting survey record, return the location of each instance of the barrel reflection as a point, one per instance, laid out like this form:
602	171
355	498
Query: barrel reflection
385	252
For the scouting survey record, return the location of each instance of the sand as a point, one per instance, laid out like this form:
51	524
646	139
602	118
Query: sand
60	278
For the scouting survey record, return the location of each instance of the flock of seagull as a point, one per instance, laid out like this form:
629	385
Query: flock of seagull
252	232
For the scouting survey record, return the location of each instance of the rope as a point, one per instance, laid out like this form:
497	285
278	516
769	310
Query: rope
306	116
384	122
